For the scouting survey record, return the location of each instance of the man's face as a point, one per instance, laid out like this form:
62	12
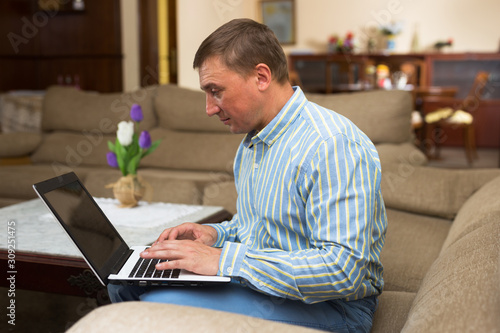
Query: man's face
230	96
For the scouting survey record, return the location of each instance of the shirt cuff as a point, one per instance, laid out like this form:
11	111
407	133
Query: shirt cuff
231	259
221	234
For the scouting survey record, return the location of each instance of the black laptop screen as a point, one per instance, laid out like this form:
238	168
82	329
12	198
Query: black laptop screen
84	221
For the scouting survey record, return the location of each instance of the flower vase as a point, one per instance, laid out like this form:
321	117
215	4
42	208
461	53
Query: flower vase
129	190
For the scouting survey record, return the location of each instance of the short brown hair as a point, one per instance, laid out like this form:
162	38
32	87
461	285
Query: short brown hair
242	44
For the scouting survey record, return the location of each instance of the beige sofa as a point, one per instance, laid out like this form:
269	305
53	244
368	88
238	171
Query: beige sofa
441	261
193	163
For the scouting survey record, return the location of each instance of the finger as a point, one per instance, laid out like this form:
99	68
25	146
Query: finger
163	236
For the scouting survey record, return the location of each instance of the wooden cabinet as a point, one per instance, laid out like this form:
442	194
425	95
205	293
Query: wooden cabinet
331	73
49	45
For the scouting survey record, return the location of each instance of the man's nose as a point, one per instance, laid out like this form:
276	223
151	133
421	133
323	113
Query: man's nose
212	108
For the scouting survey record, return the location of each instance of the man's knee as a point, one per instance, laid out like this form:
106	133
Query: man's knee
121	293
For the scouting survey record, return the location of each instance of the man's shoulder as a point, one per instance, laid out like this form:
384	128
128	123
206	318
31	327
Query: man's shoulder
328	123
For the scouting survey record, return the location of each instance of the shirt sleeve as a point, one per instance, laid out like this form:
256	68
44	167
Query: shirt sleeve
226	231
339	191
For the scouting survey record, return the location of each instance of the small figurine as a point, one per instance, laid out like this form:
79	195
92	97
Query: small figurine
439	45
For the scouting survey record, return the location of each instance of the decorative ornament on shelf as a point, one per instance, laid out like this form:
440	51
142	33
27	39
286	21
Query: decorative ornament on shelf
126	154
339	45
390	31
442	44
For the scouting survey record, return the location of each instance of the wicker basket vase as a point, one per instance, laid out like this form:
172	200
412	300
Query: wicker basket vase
129	190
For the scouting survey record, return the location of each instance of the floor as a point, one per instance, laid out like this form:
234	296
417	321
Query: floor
455	158
42	312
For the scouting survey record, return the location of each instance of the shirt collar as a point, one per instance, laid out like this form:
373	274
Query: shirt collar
280	122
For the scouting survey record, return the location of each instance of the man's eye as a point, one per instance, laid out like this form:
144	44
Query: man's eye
215	92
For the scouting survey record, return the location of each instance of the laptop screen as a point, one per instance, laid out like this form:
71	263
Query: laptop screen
84	221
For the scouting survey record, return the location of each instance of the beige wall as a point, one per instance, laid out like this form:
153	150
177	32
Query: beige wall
473	25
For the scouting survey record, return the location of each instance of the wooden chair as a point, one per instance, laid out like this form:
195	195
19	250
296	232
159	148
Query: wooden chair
460	116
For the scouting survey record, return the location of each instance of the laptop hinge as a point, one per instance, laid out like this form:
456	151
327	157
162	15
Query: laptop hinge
120	262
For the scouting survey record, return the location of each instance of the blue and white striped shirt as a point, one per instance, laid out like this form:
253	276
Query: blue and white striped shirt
311	220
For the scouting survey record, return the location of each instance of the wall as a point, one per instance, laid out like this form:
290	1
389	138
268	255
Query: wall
196	20
472	24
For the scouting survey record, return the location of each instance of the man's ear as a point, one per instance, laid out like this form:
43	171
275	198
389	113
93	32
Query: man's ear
263	75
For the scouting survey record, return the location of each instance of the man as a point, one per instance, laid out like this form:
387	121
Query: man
304	247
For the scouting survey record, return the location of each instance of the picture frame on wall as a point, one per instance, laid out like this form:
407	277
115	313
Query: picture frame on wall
279	16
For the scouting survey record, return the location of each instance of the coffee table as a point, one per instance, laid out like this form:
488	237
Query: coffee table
40	256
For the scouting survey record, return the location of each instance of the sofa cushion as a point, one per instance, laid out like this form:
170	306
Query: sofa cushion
412	244
70	109
431	191
193	151
162	187
384	116
483	207
18	143
461	291
131	317
221	194
400	153
392	311
182	109
73	149
17	180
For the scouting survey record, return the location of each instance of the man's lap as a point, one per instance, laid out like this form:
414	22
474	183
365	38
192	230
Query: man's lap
338	315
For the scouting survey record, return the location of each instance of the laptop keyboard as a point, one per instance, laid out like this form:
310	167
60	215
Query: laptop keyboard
145	268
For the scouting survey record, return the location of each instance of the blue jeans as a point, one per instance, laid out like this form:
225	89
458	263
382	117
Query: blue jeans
335	315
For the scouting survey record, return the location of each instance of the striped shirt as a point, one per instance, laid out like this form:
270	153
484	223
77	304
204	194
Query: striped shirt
311	220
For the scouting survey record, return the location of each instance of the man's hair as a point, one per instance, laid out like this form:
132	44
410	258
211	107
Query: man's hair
242	44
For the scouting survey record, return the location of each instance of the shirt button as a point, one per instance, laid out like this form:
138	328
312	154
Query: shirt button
255	166
229	270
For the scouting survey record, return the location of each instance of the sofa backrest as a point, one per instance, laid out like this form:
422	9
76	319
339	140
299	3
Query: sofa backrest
190	139
384	116
431	191
461	292
77	124
70	109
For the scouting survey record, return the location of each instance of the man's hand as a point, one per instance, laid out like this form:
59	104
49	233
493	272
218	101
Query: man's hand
187	246
192	231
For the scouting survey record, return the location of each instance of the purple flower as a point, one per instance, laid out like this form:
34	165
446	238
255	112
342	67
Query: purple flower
112	160
144	140
136	113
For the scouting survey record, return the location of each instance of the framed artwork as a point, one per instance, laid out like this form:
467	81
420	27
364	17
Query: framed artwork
279	16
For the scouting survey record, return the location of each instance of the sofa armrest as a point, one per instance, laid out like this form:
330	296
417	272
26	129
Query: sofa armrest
431	191
18	143
154	317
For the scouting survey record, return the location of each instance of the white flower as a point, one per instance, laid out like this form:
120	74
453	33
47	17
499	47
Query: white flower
125	132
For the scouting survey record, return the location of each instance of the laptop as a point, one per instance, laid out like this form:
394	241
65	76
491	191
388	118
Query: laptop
102	247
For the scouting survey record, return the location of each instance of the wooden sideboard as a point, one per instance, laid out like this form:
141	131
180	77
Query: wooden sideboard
334	73
49	42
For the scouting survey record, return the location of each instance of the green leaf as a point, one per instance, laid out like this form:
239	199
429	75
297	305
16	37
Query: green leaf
133	164
151	149
111	146
121	157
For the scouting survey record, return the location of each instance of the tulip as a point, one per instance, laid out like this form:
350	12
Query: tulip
125	132
112	160
145	140
136	113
